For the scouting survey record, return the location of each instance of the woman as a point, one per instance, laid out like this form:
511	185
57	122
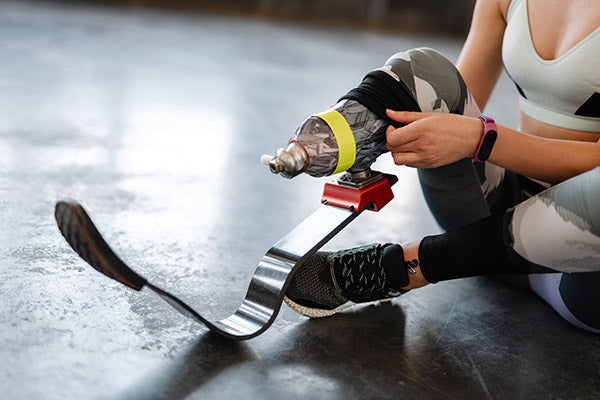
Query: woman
551	50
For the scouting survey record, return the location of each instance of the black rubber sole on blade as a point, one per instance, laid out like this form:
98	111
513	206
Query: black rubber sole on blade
80	232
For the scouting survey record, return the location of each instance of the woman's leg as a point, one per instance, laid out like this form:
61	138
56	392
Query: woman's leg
575	297
329	282
556	230
560	227
463	192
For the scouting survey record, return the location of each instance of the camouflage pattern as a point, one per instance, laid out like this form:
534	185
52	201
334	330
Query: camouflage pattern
321	146
560	227
319	142
433	80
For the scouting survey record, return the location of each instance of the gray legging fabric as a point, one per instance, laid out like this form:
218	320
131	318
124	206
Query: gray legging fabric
557	228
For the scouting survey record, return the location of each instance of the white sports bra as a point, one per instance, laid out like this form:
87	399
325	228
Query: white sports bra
563	92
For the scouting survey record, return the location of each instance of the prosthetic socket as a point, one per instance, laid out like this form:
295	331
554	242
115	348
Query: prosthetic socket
351	134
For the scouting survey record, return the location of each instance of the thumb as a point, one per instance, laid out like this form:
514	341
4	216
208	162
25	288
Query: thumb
405	117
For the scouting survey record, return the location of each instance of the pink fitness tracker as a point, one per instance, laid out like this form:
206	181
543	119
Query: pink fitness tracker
490	134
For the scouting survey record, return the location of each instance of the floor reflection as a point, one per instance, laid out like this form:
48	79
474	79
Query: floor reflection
190	369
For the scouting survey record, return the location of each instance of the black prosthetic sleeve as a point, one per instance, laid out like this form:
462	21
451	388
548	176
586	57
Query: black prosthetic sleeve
379	91
476	249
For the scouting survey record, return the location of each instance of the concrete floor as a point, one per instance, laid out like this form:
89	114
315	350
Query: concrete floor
155	121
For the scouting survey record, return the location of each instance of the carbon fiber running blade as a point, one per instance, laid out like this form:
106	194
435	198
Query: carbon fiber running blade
269	282
81	234
267	287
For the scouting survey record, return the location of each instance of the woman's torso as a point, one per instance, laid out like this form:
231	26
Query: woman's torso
564	43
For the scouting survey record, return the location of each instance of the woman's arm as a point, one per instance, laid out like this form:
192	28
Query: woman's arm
431	140
480	61
550	160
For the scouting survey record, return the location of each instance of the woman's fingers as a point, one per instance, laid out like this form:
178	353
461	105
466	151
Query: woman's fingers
406	117
397	137
411	144
409	158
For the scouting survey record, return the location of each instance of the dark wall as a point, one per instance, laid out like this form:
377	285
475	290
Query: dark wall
450	16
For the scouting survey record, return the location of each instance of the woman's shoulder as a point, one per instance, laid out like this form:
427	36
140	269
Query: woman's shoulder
504	7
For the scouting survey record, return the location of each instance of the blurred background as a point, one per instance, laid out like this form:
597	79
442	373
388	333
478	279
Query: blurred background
449	17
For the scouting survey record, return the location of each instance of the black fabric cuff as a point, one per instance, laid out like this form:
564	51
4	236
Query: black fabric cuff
379	91
477	249
427	265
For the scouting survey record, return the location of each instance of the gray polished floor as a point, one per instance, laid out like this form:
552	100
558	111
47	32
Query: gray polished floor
155	121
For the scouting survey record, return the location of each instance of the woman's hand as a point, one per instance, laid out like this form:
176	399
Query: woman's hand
431	140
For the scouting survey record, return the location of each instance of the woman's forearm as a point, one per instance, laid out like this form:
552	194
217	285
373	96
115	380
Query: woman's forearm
550	160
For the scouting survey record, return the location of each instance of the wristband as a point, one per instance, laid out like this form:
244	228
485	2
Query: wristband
488	139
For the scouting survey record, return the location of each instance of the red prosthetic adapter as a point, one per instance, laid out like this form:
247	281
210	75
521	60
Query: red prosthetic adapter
373	196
